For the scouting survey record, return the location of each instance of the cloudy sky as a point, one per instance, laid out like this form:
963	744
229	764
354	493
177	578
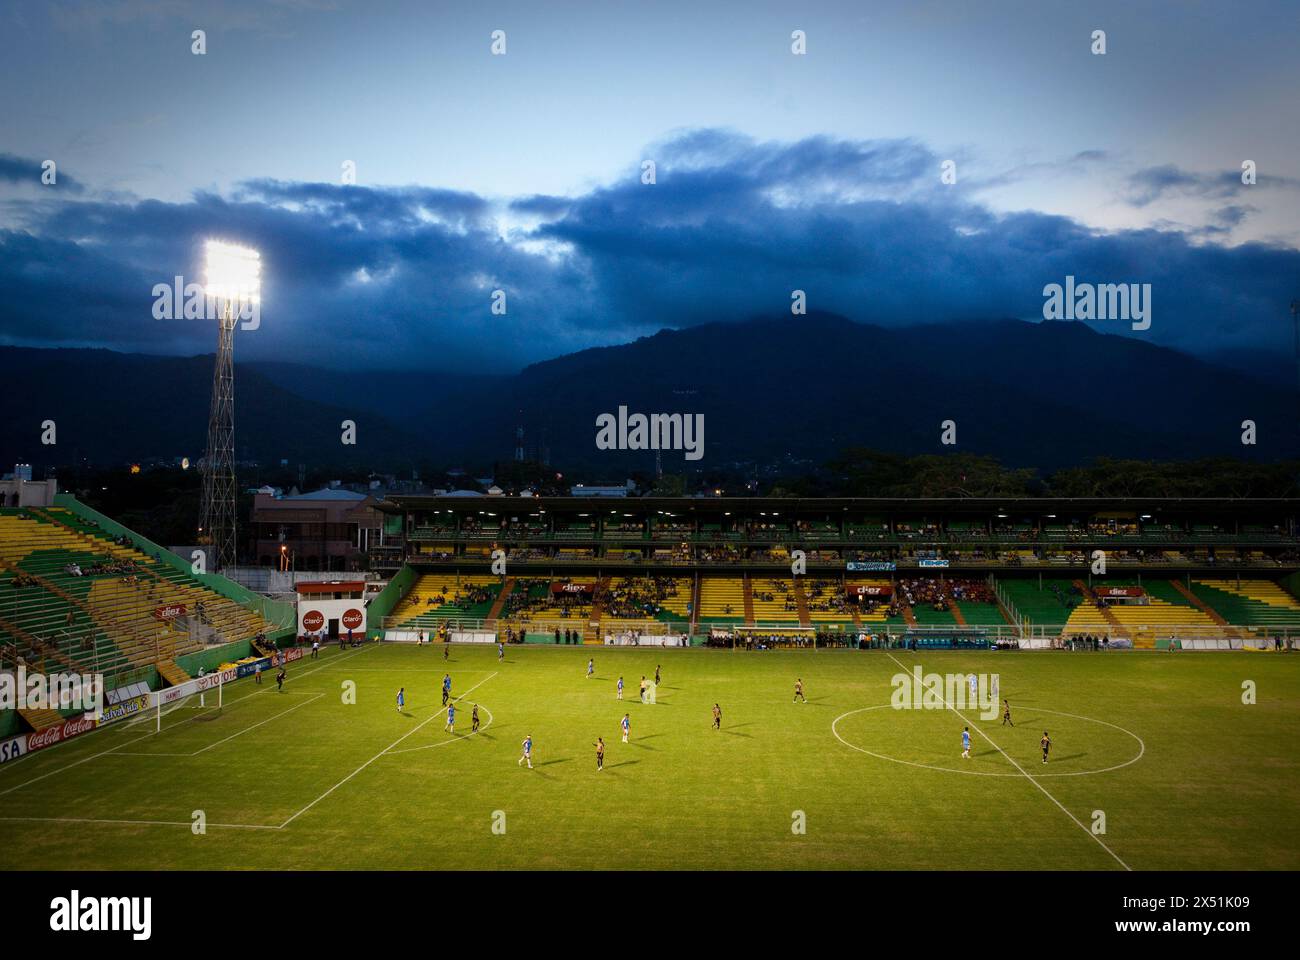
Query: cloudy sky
523	172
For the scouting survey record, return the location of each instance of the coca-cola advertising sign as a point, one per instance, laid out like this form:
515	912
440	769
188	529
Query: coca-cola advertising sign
170	611
313	620
352	619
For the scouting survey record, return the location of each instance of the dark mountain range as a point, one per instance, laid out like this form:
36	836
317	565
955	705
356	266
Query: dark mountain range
790	389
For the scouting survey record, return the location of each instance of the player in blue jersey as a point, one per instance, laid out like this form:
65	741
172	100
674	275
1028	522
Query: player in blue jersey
965	742
627	726
451	718
501	651
528	752
401	699
591	667
620	688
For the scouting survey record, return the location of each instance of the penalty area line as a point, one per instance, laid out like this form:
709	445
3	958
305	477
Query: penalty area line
1011	761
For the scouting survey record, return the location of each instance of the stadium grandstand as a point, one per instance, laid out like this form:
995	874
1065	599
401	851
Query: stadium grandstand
82	594
1042	572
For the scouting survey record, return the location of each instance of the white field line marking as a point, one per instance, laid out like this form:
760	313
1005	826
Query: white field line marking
408	733
77	763
194	753
145	823
1011	761
1142	748
443	743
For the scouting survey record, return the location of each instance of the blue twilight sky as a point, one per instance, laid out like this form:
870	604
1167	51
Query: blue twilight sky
521	172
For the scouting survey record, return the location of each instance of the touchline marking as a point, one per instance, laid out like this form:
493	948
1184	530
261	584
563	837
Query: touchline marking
76	763
1011	761
408	733
143	823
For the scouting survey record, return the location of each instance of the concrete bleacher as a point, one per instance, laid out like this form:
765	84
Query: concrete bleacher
435	598
722	599
1255	602
104	622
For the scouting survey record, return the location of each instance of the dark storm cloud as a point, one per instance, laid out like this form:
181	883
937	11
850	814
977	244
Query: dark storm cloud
362	276
1154	183
26	170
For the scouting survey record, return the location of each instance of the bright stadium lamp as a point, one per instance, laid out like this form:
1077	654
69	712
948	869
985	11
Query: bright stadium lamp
233	273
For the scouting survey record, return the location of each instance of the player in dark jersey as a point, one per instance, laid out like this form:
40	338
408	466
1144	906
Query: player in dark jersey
1006	714
600	753
717	717
279	680
1046	744
656	674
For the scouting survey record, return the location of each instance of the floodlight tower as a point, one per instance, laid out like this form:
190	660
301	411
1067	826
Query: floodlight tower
233	280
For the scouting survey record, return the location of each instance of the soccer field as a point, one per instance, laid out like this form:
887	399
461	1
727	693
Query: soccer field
1185	774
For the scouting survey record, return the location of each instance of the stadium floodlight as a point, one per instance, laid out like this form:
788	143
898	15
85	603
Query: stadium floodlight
233	273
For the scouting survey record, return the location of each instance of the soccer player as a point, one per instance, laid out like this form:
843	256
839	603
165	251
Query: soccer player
501	651
473	720
798	691
965	742
620	688
401	699
528	752
656	674
420	639
643	688
717	717
257	674
591	667
446	688
627	726
279	680
1006	714
315	648
446	647
1046	744
451	718
973	694
600	753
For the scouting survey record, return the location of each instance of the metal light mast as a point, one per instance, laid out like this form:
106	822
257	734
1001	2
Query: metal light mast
233	278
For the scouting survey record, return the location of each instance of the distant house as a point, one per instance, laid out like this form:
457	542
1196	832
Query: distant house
328	529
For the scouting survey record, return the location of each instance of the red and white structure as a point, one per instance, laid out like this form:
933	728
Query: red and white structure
333	607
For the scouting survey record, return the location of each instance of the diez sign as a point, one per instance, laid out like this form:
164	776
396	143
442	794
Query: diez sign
573	588
871	590
170	611
1117	591
313	620
352	618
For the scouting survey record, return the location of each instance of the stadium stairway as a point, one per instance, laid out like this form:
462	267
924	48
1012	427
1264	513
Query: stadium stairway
955	609
41	719
173	674
591	632
1198	603
748	586
494	613
801	603
695	602
1113	626
908	615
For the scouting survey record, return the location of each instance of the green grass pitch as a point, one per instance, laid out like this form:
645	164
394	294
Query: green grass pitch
1186	775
